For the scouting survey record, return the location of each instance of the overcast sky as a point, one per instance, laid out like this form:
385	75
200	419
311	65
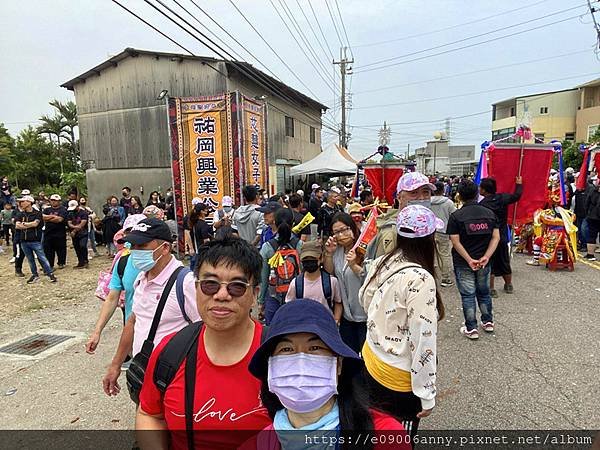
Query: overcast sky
45	43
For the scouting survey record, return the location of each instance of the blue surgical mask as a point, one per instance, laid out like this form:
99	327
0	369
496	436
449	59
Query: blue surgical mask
425	203
143	260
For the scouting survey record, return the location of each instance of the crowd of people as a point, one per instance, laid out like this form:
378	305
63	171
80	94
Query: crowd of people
282	322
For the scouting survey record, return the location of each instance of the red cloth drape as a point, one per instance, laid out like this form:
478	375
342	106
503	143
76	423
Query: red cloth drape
597	162
383	181
504	167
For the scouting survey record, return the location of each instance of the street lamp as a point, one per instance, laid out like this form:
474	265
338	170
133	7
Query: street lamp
162	94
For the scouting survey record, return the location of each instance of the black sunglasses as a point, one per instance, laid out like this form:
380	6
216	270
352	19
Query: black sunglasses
234	288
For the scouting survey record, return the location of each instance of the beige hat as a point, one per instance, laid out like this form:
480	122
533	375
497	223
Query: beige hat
55	197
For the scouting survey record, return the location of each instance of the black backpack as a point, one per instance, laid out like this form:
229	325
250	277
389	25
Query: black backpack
181	346
325	284
137	369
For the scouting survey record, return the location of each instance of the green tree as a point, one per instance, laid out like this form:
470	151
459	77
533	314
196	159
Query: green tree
36	162
54	127
68	112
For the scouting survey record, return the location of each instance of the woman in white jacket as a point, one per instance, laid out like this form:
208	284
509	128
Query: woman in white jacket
403	308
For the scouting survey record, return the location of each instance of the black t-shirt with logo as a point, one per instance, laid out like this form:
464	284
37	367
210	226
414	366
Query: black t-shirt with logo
30	234
52	229
298	217
475	225
76	217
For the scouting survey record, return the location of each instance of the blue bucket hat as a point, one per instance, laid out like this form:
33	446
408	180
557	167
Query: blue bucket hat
300	316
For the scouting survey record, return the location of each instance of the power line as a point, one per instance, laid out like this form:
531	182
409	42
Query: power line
154	28
471	37
239	67
344	27
314	33
452	26
233	38
321	30
273	50
475	93
334	24
487	111
412	83
468	46
302	37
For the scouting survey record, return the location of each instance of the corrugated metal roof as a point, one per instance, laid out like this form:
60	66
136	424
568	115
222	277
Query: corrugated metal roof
133	52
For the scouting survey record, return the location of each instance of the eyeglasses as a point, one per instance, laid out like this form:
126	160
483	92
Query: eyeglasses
342	231
234	288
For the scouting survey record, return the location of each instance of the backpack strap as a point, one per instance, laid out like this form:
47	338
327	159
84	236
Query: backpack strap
190	392
180	294
274	244
148	344
173	354
299	286
121	266
326	285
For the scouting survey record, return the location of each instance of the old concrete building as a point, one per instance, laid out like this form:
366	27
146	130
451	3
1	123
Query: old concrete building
588	114
439	157
123	126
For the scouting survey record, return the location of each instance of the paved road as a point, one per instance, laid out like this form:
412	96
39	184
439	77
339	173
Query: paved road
539	370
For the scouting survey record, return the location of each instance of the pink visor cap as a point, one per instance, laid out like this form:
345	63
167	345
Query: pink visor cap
413	180
417	221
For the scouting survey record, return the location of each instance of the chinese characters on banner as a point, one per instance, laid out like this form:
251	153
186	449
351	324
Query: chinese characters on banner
202	162
255	153
204	134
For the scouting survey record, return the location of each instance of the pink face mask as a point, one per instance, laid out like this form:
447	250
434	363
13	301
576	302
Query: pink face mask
302	382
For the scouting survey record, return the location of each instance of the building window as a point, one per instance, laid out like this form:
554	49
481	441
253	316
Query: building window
512	111
591	130
544	110
289	126
539	137
569	136
313	135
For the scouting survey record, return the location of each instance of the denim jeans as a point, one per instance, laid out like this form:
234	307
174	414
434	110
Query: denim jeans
474	285
29	248
92	240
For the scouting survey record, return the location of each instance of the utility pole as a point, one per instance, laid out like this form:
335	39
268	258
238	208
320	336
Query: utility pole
343	62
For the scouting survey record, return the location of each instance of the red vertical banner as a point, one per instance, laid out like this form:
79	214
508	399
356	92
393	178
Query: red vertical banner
504	161
383	181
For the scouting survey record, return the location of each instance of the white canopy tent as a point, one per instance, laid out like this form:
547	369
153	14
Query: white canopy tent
333	160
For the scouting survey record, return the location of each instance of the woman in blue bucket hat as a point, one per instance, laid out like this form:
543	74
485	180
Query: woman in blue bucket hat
310	386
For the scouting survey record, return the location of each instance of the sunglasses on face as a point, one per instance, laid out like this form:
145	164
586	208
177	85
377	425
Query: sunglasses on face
234	288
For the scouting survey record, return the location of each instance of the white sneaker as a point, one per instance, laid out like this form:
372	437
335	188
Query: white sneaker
532	262
473	334
12	260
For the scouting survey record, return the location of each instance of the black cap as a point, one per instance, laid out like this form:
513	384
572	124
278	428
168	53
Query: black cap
270	207
148	230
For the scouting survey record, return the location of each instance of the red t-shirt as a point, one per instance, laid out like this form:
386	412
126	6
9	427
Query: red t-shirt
227	399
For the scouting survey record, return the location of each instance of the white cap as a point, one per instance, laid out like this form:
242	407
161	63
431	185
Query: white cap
227	201
73	204
335	189
315	186
196	200
25	192
55	197
26	198
300	192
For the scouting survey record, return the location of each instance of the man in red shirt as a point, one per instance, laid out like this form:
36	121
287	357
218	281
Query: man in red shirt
226	396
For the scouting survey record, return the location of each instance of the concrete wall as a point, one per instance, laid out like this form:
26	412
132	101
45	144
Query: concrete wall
585	118
281	146
560	119
121	124
104	183
501	124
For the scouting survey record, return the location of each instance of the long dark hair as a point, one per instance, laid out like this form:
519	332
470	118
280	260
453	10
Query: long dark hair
421	251
284	219
195	216
352	398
